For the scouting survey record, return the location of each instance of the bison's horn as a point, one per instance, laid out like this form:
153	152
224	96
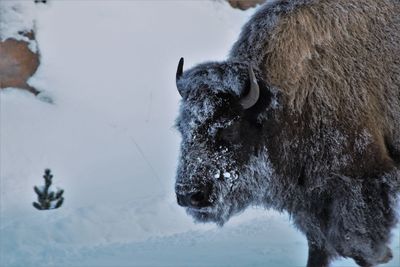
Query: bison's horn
251	98
179	72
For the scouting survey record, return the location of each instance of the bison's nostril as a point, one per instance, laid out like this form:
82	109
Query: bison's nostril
198	199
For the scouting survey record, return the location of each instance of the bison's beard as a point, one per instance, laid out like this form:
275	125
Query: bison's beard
221	211
204	215
216	215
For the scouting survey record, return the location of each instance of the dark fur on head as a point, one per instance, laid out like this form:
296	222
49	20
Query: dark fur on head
220	138
322	142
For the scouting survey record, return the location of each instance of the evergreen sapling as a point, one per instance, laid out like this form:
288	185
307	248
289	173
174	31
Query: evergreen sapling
48	198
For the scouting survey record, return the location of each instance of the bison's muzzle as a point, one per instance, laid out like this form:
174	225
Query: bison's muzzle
197	199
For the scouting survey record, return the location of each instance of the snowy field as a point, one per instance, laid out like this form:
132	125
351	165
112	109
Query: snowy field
109	67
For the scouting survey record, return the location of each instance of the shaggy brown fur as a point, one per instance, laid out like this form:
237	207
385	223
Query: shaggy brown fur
337	64
333	54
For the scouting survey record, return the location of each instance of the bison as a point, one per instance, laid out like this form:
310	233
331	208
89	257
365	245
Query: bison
302	117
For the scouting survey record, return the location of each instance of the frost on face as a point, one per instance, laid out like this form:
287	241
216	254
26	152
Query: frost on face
216	176
215	155
227	175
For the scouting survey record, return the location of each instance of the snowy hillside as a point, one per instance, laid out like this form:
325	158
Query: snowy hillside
109	67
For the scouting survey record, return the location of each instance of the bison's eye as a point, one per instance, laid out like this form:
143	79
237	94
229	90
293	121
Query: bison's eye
228	135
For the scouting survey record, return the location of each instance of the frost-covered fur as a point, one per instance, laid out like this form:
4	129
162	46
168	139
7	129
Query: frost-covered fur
322	142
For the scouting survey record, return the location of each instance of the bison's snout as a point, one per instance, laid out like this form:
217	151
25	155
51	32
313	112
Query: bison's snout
200	198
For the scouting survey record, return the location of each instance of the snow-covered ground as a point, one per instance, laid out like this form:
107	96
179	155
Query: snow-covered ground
109	67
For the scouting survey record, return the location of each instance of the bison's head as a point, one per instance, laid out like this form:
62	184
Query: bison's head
223	118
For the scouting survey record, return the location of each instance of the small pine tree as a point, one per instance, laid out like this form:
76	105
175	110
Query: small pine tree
48	199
